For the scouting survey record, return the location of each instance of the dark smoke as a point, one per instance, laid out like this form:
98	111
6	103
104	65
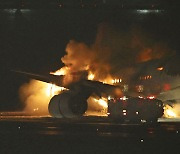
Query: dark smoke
114	53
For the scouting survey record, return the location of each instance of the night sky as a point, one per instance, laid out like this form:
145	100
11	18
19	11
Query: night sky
34	40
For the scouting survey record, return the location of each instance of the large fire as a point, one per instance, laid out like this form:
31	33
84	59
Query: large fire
100	62
37	95
99	103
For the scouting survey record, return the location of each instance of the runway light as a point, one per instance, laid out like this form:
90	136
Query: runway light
123	98
145	11
151	97
137	112
19	127
142	140
143	121
160	68
150	132
177	131
124	110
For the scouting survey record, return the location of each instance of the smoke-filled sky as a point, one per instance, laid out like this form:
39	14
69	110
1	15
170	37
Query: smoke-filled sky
114	52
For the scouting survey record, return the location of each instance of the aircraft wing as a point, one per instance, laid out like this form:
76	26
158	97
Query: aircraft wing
171	95
92	86
49	78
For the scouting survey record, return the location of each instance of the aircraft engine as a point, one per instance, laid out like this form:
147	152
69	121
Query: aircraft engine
67	105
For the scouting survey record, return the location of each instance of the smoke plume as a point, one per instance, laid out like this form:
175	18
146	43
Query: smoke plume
35	95
113	54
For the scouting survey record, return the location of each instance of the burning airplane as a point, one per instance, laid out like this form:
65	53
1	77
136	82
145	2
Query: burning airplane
108	68
74	96
72	102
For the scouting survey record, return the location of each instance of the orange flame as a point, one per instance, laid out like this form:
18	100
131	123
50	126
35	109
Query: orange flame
169	112
102	102
52	90
91	76
61	71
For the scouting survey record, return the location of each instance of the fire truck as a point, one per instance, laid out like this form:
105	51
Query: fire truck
135	109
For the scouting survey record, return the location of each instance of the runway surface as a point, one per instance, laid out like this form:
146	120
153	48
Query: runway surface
21	133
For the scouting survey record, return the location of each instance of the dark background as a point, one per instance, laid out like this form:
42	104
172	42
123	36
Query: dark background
33	36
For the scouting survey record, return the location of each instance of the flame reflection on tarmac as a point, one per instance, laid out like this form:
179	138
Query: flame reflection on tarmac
26	115
23	133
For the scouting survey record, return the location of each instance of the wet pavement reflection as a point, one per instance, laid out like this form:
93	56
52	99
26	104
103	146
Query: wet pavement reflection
30	134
